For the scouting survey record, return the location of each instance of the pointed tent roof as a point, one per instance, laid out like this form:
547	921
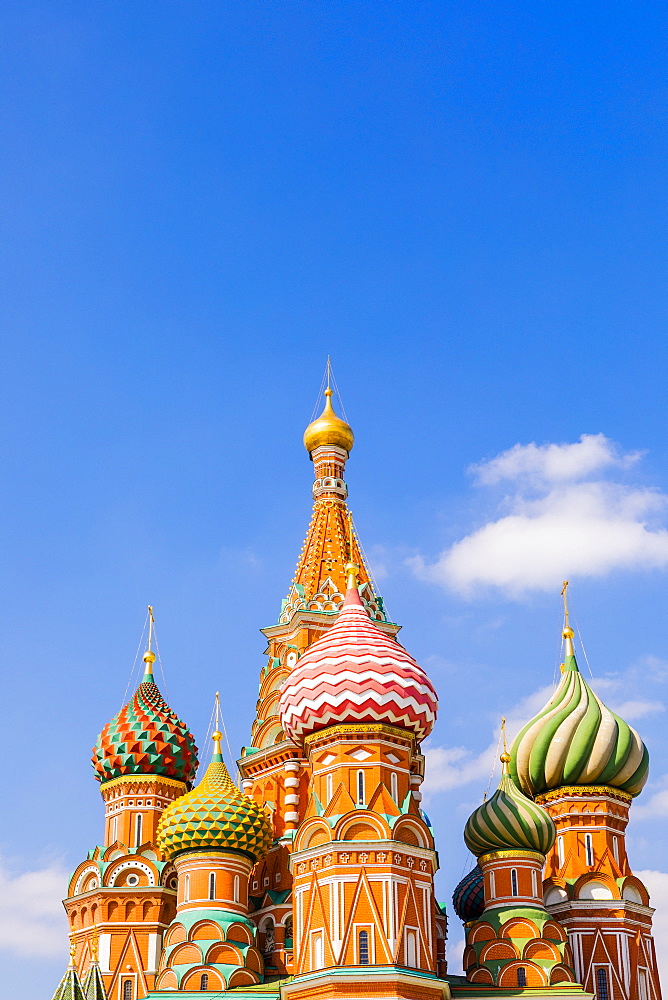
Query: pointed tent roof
94	988
69	987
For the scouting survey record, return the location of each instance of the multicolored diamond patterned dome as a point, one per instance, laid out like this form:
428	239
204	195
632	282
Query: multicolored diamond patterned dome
356	673
146	737
216	815
576	740
509	821
468	899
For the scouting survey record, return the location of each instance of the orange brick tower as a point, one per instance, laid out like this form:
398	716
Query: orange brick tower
515	943
213	834
363	861
274	769
585	765
125	891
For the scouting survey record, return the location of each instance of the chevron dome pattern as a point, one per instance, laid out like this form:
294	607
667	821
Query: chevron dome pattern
356	673
146	737
217	815
509	821
576	740
468	899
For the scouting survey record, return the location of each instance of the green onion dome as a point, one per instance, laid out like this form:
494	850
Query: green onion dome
215	815
509	821
468	899
576	740
146	737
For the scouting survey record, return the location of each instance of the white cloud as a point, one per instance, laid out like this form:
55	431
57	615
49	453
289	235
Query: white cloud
555	525
657	885
656	805
554	462
32	919
452	767
637	709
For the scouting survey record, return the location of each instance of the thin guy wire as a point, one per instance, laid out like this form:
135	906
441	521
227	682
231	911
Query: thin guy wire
367	566
162	672
320	392
338	393
127	686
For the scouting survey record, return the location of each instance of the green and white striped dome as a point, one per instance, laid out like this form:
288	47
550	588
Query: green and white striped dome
576	740
509	821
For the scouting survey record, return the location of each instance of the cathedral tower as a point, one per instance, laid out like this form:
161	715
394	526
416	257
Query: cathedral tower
213	835
124	893
585	765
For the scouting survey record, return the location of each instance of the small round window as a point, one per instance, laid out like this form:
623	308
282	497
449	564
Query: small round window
93	884
173	882
133	879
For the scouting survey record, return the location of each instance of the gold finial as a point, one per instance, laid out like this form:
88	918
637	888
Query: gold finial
73	949
149	655
94	944
351	568
568	632
328	429
505	756
216	735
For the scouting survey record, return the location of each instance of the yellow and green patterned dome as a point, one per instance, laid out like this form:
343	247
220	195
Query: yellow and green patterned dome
576	740
509	821
215	815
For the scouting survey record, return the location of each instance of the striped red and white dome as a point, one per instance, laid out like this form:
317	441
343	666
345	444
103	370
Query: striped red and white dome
357	673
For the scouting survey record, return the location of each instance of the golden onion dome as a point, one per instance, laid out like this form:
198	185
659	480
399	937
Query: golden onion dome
328	429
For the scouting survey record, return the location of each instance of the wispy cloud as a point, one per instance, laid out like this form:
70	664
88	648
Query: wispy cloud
656	806
32	919
558	522
453	767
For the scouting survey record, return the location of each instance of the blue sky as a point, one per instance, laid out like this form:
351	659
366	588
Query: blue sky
462	203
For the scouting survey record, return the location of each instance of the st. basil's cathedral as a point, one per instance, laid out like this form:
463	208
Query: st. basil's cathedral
315	879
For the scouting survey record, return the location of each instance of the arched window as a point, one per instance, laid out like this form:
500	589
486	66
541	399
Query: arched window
288	932
186	888
127	989
534	882
204	981
360	788
602	991
212	885
269	938
411	949
394	787
492	885
615	849
236	888
521	977
589	850
329	787
363	947
560	851
513	882
114	830
138	825
318	951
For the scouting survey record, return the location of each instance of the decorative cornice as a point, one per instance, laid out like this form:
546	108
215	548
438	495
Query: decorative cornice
354	729
137	780
583	791
512	855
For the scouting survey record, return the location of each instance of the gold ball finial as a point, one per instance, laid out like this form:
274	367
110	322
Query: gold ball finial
149	656
328	429
568	632
505	758
216	736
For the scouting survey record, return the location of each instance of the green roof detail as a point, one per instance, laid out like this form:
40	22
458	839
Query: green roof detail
93	987
509	821
69	987
576	740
